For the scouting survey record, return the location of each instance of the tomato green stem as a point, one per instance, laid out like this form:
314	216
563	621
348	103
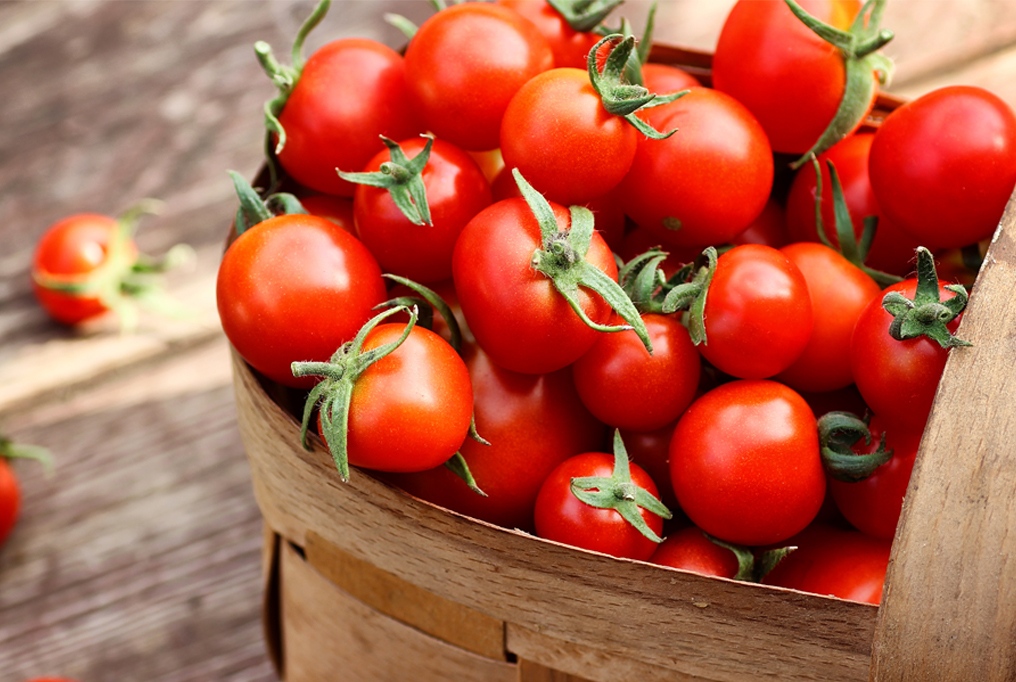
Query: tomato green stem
584	15
926	314
838	432
403	178
11	450
253	209
436	303
620	493
688	290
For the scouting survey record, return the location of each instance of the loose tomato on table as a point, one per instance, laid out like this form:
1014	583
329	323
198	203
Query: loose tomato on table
10	491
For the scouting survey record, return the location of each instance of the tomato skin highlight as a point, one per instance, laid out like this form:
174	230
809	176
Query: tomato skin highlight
570	47
514	311
459	83
943	165
745	464
713	176
292	289
350	92
456	191
562	517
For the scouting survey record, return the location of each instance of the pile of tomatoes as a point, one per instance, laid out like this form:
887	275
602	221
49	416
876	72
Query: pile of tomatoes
512	281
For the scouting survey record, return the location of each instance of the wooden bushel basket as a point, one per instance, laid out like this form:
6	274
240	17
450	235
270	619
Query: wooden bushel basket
364	582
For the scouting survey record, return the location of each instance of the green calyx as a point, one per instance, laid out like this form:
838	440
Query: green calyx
126	279
433	302
285	77
838	432
562	258
752	568
403	178
253	209
619	96
855	249
688	290
11	450
926	314
619	492
585	15
866	69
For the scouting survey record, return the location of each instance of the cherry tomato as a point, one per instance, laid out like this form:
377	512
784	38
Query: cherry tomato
758	313
74	246
839	292
769	228
627	388
570	47
294	288
707	182
690	550
788	77
873	505
745	464
892	249
562	517
351	92
339	210
839	563
10	499
464	65
514	311
925	145
533	423
897	379
456	191
664	79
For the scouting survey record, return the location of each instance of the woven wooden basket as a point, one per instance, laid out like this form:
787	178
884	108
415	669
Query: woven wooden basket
364	582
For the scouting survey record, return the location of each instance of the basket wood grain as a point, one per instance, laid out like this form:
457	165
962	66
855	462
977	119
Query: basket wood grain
357	567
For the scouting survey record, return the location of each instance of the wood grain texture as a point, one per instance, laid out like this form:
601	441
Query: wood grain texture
666	618
330	635
950	599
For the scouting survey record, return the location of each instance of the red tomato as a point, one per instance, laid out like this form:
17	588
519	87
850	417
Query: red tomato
460	83
294	288
562	517
897	379
788	77
570	47
351	91
411	410
707	182
533	423
758	313
843	564
873	505
456	191
640	240
339	210
892	249
664	79
769	228
10	499
925	145
690	550
651	451
563	141
839	292
627	388
73	247
514	311
745	464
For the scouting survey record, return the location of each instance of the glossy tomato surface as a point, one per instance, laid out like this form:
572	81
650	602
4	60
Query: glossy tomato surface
745	464
691	550
293	289
570	47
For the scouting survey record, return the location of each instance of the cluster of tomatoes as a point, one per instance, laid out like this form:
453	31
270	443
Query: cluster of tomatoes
606	304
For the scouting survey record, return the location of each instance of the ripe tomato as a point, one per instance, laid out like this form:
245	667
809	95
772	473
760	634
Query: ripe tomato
758	313
533	423
707	182
74	247
664	79
514	311
350	92
464	65
769	228
562	517
411	410
294	288
570	47
925	145
892	250
788	77
557	132
627	388
339	210
839	292
10	499
690	550
456	191
897	379
745	463
873	505
839	563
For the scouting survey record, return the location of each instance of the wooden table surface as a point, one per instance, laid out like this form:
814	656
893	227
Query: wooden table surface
138	557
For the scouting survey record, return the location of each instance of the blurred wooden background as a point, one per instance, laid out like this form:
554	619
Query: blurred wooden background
138	558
